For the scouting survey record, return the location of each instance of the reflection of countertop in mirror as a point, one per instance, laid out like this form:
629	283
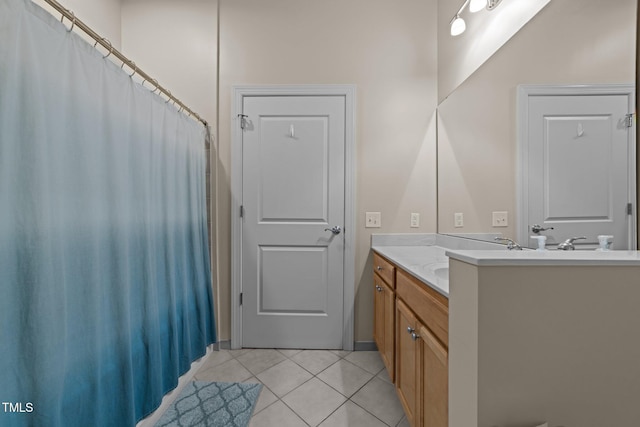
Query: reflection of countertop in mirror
545	258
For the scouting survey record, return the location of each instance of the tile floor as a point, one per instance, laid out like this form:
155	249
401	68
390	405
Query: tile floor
326	388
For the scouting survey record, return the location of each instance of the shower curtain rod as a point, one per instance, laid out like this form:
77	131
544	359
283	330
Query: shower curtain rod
66	13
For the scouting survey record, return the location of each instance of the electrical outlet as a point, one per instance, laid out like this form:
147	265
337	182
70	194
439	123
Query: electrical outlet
415	220
500	219
372	220
458	220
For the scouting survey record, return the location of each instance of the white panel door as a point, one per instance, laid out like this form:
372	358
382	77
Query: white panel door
293	194
578	163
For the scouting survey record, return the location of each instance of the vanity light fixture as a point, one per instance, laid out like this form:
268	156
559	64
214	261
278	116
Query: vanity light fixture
477	5
458	26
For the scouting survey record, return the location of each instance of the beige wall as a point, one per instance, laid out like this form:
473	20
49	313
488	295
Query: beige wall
176	43
103	16
568	42
389	51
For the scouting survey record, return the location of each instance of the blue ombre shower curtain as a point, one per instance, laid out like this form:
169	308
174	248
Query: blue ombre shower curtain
105	283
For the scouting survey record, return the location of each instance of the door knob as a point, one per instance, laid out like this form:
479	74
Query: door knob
334	230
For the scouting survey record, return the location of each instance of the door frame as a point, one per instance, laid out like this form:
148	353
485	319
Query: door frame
522	168
239	92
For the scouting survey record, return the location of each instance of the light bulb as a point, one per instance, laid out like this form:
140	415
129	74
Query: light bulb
477	5
458	26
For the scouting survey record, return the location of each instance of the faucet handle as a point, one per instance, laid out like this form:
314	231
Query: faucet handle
510	243
573	239
567	245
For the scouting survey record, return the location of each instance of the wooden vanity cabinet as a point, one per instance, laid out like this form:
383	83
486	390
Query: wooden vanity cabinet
411	329
384	300
422	337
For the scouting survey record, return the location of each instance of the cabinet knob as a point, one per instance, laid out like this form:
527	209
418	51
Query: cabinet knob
378	288
410	330
379	268
414	336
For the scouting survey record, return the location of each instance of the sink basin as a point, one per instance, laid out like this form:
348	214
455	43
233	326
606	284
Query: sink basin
439	269
442	273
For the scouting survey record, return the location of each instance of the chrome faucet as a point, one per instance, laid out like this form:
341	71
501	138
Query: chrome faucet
511	245
567	245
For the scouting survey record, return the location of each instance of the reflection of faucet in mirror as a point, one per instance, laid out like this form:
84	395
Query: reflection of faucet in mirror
567	245
536	228
511	245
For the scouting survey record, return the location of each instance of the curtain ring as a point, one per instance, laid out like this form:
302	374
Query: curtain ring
135	69
170	96
131	65
155	83
110	48
102	39
73	20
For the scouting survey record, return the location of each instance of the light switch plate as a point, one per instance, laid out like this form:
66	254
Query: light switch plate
458	220
500	219
415	220
372	220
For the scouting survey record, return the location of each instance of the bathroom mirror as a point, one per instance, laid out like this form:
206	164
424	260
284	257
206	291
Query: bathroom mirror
567	43
485	31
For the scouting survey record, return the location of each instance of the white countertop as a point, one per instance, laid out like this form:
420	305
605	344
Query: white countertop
425	263
426	256
550	258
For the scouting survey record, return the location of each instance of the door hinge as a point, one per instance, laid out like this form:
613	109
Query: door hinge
241	211
241	298
242	120
629	208
628	120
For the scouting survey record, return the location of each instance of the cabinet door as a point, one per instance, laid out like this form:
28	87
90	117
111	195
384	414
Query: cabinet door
388	355
384	325
434	387
407	366
378	314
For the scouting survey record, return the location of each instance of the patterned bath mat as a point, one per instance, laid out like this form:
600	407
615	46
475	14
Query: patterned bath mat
207	404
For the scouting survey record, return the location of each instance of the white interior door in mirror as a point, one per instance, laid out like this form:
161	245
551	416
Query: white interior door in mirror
293	195
579	168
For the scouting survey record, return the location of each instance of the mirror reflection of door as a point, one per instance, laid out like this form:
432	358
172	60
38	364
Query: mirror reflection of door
578	164
581	42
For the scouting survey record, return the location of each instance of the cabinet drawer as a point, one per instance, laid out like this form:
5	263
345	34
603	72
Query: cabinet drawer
431	307
385	269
